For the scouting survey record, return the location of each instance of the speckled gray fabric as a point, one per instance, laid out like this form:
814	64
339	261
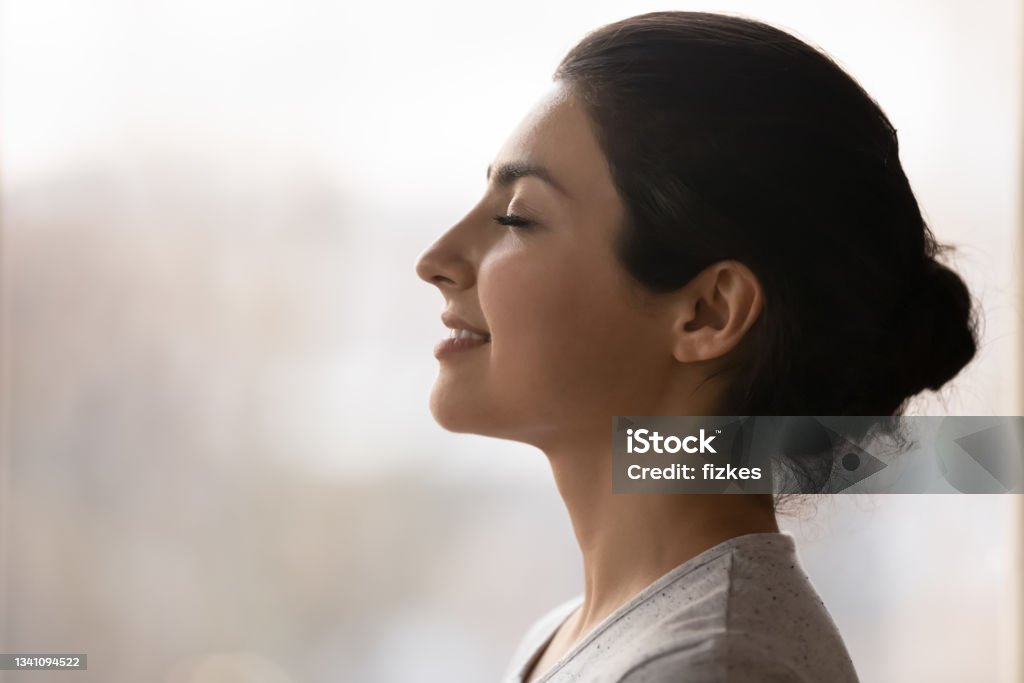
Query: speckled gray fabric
743	611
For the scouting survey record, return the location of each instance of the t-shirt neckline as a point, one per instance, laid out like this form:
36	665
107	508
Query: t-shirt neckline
658	584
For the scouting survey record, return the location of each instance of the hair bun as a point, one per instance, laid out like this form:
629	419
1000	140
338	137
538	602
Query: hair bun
944	337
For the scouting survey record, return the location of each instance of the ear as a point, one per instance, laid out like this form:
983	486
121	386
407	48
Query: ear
715	311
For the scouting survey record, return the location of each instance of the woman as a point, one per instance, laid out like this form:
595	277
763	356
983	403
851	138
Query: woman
703	216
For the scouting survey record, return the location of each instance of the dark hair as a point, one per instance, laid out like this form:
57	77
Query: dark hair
730	139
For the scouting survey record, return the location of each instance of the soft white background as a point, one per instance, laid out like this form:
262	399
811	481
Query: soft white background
219	463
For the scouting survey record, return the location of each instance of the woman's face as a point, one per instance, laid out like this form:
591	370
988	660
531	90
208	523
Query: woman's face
569	345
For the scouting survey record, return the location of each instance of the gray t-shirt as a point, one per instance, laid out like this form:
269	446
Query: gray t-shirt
739	612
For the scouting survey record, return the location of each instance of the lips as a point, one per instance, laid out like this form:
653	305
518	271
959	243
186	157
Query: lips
454	322
464	336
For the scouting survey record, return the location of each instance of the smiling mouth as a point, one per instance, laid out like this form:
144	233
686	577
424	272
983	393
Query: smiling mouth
460	341
468	334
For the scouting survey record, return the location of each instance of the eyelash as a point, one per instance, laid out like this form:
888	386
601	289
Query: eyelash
513	221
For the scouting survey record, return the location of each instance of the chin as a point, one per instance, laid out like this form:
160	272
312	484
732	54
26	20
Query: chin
461	415
466	414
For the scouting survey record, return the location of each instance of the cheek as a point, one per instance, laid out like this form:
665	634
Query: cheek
532	301
560	332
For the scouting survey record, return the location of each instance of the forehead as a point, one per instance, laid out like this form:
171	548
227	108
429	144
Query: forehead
556	134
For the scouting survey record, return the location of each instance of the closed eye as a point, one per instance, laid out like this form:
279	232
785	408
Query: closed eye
513	220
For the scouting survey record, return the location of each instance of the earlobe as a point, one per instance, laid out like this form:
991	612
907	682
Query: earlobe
715	311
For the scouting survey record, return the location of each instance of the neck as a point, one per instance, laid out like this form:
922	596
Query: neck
630	540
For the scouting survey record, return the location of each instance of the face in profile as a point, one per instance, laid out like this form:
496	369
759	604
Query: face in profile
569	343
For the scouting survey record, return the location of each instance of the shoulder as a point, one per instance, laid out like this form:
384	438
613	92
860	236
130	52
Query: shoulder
752	614
723	659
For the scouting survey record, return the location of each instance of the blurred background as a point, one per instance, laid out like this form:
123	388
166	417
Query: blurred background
218	460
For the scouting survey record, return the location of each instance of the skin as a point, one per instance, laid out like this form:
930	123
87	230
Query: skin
574	341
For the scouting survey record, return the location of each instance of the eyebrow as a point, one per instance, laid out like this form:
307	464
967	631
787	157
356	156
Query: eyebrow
506	174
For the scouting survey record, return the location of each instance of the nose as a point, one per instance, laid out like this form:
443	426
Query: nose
444	264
